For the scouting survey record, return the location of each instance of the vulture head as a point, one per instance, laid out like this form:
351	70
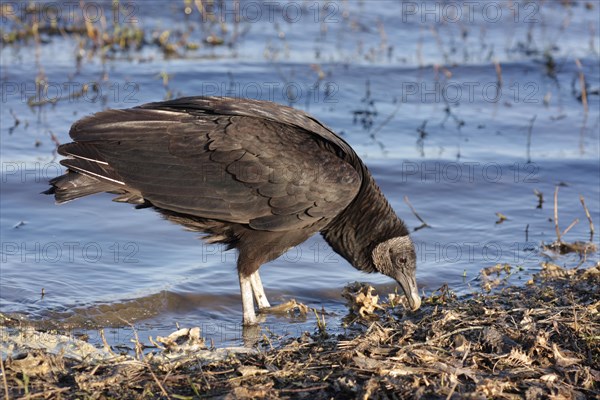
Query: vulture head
396	258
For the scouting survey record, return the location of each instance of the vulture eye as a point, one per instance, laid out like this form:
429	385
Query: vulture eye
397	259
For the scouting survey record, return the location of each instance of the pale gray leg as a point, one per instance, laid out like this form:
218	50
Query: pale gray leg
249	317
259	291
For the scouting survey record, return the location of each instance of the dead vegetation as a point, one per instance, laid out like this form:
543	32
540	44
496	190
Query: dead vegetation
560	246
114	29
533	342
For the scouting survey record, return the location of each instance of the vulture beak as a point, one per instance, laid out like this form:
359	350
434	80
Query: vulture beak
409	285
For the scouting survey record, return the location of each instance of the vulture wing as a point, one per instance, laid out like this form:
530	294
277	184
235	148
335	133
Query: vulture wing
219	160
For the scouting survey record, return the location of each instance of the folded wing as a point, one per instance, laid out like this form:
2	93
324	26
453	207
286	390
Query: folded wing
217	164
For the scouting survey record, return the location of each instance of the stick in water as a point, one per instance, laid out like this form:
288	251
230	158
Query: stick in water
589	217
558	239
423	223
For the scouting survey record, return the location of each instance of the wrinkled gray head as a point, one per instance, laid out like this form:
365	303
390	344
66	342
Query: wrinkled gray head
396	258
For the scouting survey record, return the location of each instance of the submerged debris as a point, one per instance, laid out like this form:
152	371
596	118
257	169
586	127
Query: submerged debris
559	246
579	247
290	307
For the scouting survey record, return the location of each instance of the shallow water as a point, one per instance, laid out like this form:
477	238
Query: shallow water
421	104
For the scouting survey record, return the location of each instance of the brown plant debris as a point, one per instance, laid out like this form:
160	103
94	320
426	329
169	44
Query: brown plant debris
491	277
290	307
533	342
501	218
361	299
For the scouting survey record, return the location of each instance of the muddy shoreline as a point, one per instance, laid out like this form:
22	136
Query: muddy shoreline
541	340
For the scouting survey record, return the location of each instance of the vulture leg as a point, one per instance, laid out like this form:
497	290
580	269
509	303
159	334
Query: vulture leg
259	291
249	317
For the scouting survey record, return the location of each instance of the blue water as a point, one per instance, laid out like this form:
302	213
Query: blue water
441	111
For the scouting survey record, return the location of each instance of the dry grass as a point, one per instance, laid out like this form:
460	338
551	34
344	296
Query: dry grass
537	341
119	29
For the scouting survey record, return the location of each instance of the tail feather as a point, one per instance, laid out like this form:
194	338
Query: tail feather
88	174
73	185
95	169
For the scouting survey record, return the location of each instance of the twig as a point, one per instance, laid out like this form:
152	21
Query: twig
227	371
471	328
162	389
498	72
139	347
386	121
54	139
583	88
46	393
529	132
421	140
438	41
540	197
466	353
558	234
105	343
306	389
17	121
589	217
4	379
420	48
575	222
423	223
558	240
452	391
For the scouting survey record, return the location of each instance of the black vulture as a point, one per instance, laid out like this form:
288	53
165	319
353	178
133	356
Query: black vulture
254	175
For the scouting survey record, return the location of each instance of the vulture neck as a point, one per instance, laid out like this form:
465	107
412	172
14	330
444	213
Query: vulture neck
366	222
